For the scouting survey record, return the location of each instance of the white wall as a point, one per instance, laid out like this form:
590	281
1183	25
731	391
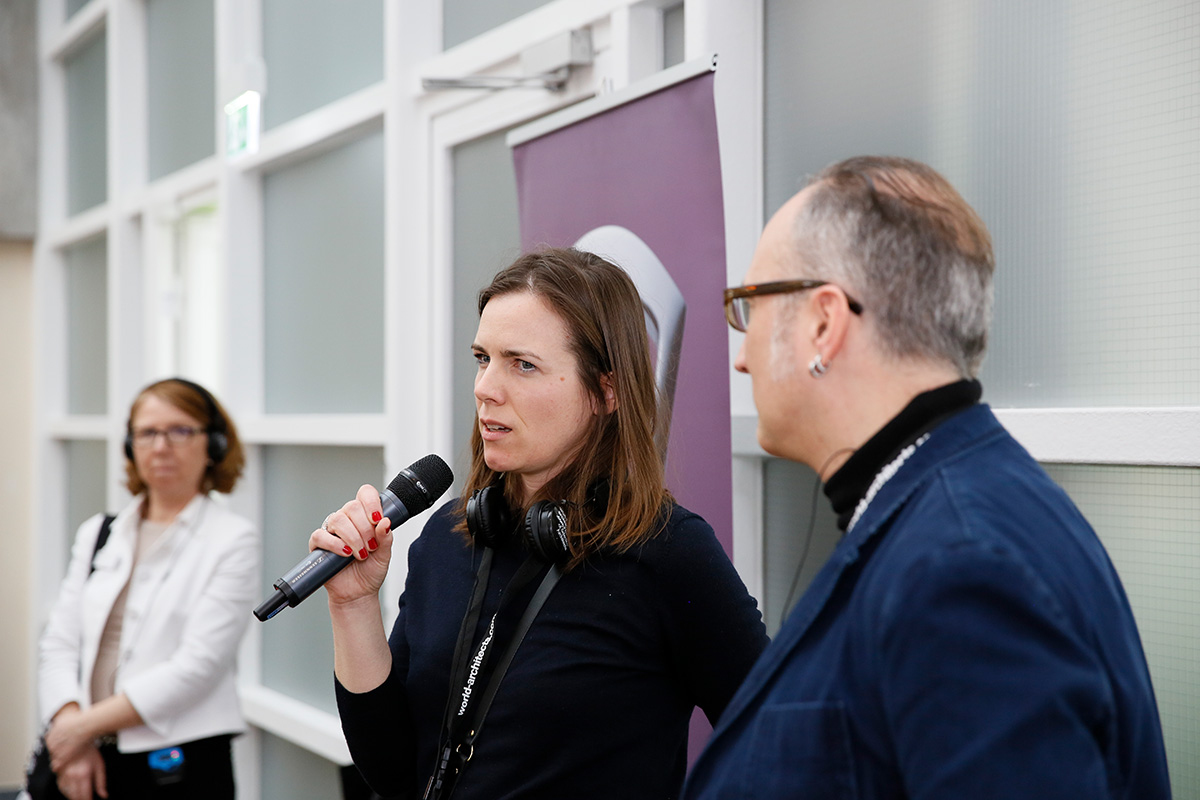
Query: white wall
17	537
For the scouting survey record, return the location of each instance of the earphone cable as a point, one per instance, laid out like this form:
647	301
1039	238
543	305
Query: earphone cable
812	524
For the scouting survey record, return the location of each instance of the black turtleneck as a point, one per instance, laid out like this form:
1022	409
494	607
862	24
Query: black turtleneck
927	410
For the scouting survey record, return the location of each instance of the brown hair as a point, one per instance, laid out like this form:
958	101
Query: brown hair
606	326
899	238
190	398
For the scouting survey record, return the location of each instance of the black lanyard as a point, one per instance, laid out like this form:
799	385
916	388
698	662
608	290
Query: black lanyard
467	708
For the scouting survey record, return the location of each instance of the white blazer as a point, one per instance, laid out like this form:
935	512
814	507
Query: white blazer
188	604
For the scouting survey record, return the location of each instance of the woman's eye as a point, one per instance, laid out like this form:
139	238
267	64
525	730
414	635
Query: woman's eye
481	359
525	366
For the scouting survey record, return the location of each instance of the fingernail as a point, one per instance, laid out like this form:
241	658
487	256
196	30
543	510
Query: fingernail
347	550
372	543
375	517
362	553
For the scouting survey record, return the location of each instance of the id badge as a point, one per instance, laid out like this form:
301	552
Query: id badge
166	765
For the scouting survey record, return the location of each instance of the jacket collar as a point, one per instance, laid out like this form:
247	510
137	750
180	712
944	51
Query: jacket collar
950	440
190	514
850	484
125	525
187	516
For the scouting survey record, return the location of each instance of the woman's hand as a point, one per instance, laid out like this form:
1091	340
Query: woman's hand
83	776
67	737
359	530
72	731
78	767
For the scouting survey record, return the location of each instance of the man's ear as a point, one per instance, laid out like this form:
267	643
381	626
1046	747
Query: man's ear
832	318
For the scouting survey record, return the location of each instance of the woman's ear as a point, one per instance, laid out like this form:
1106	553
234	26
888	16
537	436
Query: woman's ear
610	392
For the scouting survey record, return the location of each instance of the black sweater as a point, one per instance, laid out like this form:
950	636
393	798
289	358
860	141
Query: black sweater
596	702
926	411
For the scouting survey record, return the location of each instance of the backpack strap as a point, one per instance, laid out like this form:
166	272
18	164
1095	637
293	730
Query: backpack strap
101	538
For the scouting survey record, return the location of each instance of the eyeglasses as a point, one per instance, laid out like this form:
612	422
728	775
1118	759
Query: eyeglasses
737	298
144	438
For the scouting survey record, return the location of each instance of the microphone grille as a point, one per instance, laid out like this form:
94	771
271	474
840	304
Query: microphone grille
432	478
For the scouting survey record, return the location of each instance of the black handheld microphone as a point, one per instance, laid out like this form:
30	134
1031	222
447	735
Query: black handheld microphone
412	491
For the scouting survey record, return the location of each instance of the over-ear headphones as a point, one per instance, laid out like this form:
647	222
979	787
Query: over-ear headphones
544	529
217	430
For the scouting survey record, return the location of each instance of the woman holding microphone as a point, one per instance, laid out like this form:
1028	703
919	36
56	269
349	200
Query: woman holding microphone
642	617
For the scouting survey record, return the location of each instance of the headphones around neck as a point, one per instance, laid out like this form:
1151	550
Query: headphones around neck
217	430
544	529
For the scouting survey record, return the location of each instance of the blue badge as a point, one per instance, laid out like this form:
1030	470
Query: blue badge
169	759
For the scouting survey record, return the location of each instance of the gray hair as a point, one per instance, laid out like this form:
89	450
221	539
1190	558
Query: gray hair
896	236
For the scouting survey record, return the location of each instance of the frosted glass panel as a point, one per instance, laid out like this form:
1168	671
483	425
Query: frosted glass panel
1074	129
318	51
1149	520
86	320
86	486
87	121
465	19
294	773
792	555
301	486
487	238
673	36
180	79
323	264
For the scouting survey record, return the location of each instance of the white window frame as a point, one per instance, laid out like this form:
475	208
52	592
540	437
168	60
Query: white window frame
420	131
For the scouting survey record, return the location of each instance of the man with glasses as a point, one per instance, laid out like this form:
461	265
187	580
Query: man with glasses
968	638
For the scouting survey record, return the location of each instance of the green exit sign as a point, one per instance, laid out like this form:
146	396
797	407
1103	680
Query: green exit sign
242	124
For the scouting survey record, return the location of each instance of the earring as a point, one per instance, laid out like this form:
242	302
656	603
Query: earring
817	367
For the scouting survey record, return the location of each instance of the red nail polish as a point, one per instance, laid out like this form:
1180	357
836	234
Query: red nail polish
375	517
347	550
362	553
372	543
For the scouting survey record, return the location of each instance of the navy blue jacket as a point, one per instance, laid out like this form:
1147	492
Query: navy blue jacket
597	700
968	638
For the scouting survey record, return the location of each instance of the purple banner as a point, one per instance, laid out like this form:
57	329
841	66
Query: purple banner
641	184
